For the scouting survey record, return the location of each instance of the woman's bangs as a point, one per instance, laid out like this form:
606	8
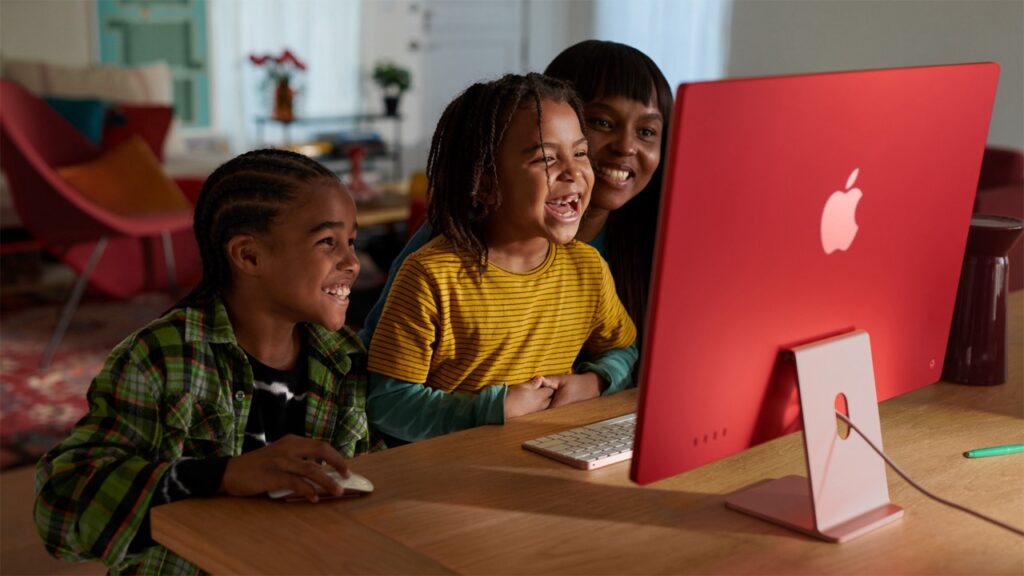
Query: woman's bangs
628	78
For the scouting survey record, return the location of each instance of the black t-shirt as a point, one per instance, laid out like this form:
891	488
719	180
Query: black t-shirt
278	403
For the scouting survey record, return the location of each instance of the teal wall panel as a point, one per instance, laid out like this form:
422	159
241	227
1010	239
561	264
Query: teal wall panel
139	32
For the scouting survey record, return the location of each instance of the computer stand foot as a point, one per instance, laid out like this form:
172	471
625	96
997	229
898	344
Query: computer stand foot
845	494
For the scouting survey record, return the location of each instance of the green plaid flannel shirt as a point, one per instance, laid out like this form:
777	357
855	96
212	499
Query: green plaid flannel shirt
179	388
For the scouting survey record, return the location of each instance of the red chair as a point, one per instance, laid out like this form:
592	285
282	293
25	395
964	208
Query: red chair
1001	192
116	255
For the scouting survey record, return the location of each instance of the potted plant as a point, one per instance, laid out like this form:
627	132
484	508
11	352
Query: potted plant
393	80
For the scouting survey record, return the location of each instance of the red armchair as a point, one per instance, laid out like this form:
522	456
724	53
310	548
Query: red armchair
114	254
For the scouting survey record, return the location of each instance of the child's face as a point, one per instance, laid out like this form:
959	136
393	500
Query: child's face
537	202
625	145
309	257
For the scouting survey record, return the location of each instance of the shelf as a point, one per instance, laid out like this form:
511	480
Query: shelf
392	151
349	118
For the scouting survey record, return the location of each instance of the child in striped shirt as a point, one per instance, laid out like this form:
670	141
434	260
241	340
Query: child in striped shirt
485	322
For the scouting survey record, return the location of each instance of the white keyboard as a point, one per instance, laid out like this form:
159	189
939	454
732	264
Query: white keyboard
591	446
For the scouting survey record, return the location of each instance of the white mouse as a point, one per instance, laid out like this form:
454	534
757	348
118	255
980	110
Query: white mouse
354	485
354	482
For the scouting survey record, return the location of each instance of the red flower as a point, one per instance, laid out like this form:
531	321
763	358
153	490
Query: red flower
287	56
279	66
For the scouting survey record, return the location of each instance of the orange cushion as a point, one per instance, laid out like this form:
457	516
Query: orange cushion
127	180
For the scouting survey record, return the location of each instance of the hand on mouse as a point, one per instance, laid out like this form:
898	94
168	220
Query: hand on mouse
284	464
527	398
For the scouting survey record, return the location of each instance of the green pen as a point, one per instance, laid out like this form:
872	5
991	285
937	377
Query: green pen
994	451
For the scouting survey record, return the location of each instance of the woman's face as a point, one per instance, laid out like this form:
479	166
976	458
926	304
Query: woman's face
625	147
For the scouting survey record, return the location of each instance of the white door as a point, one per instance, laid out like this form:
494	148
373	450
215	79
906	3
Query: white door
464	42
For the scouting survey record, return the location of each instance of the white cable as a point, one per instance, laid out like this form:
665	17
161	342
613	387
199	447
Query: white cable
903	475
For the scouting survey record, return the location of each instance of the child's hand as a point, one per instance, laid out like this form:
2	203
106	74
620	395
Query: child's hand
571	388
527	398
284	464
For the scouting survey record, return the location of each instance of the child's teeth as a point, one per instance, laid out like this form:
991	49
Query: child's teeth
566	201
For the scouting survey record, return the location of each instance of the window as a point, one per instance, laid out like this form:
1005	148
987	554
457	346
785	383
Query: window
687	39
324	34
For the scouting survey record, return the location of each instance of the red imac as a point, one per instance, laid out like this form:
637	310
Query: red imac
820	218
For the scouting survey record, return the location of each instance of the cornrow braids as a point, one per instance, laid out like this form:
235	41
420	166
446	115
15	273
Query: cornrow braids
462	173
245	195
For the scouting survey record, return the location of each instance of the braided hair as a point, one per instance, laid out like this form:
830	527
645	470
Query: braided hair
601	69
462	173
245	195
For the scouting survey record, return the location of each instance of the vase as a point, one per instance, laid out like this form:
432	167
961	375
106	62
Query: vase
976	349
391	105
284	101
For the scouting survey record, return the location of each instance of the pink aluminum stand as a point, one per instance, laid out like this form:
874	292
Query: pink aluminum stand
847	494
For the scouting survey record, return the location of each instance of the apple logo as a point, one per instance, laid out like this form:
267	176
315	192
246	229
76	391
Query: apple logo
838	226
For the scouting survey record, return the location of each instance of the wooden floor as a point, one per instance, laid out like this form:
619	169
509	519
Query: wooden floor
21	549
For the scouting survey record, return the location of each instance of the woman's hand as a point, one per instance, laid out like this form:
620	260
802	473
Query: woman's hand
287	463
571	388
527	398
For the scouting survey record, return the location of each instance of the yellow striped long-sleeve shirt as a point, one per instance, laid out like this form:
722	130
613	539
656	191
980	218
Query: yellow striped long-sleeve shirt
446	326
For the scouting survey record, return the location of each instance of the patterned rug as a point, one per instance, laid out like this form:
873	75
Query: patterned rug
39	407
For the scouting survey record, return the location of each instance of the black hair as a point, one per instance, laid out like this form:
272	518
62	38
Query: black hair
244	195
462	166
602	69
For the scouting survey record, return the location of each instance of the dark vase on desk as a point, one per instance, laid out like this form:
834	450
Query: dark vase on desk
976	352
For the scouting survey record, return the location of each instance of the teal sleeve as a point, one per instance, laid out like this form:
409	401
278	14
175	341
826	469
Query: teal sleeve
412	412
418	240
614	366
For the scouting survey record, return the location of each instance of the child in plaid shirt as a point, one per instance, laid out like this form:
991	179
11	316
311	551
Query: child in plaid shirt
246	386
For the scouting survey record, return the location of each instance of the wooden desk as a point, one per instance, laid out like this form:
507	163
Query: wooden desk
475	502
